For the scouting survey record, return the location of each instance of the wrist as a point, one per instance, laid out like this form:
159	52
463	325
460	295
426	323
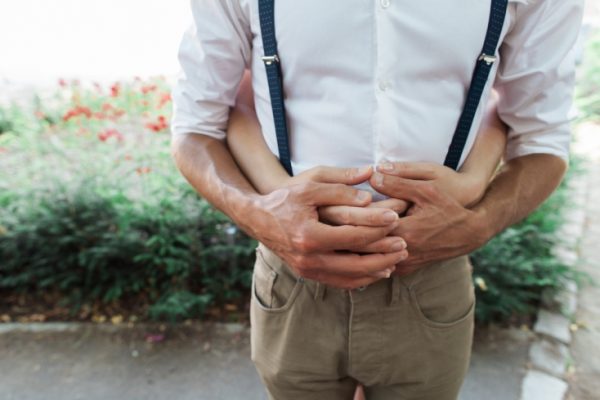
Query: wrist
482	226
245	210
472	189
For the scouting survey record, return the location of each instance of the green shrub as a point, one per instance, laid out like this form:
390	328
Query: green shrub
5	122
92	209
90	246
514	269
588	89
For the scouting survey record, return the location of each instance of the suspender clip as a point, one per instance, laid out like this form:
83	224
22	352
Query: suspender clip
269	60
489	60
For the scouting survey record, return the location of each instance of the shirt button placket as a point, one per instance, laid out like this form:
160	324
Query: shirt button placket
385	3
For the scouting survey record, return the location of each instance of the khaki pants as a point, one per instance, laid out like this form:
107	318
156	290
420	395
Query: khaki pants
403	338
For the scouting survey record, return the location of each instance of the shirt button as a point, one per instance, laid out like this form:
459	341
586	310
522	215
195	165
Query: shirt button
384	85
385	3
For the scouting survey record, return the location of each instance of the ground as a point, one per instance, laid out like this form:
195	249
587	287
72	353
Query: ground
585	349
211	363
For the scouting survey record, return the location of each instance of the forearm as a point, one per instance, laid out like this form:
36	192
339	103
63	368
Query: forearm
485	156
247	145
519	188
209	167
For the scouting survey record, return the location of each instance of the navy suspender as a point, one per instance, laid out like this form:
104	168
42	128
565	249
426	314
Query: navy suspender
266	10
481	75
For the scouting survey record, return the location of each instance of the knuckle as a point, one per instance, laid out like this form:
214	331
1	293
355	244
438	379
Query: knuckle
428	189
318	173
362	240
409	238
301	244
373	218
345	216
303	265
305	190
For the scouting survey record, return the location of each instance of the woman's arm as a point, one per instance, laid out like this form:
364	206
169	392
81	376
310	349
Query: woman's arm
264	171
248	146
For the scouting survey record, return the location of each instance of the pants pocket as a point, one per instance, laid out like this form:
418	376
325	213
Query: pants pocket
274	286
444	296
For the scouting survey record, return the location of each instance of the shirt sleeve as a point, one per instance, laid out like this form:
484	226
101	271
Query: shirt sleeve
213	54
536	77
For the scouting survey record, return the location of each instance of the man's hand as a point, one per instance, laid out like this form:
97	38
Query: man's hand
287	221
466	188
437	227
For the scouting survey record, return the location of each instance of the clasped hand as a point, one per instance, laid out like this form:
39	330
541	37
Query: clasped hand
328	231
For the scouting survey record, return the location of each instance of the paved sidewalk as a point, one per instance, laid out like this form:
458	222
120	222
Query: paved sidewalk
585	349
206	364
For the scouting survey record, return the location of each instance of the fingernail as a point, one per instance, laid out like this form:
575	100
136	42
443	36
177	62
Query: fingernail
363	196
399	245
390	216
378	178
384	274
386	166
364	170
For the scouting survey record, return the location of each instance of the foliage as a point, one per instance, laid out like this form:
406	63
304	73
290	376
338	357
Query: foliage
92	208
91	244
513	270
588	90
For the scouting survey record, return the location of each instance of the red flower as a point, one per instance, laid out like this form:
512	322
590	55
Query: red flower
115	90
159	126
109	133
62	83
149	88
164	99
76	112
143	170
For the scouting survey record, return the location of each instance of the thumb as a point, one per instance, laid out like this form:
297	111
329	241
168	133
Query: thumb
410	170
346	176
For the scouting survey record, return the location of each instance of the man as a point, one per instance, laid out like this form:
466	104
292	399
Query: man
367	82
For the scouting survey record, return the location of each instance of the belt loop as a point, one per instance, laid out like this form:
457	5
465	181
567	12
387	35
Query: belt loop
320	291
395	288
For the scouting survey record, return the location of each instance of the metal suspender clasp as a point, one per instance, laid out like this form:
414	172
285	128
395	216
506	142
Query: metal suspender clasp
489	60
269	60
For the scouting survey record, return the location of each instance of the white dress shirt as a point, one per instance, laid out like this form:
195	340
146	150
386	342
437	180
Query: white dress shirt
368	80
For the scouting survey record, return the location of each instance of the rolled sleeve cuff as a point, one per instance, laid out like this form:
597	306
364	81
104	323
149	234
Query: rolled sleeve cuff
528	144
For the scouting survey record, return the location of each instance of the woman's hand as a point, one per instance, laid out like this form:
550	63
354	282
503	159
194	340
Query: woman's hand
376	215
467	188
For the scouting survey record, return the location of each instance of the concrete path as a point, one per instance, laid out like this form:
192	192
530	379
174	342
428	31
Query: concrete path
201	364
585	349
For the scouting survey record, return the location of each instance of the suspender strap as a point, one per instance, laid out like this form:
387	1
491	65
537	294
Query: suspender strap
480	77
266	11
